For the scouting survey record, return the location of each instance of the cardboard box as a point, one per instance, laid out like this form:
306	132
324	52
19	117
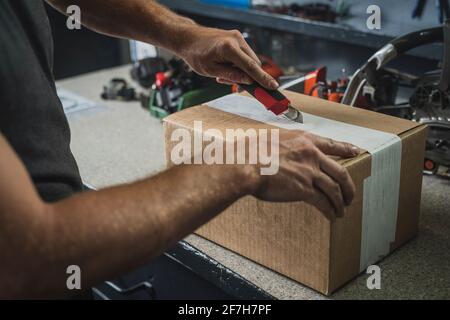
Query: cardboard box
295	239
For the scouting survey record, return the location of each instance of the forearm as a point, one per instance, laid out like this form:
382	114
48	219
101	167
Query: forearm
143	20
221	54
111	231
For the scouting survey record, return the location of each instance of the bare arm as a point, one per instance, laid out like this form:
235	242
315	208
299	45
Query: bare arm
105	232
111	231
210	52
143	20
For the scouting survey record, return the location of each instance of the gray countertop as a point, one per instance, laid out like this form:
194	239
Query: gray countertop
120	142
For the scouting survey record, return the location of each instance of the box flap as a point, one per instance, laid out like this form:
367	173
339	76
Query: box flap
350	115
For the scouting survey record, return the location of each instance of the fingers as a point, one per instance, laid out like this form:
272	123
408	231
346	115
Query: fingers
230	75
317	198
340	175
332	190
324	192
334	169
245	46
223	81
251	67
322	203
335	148
248	50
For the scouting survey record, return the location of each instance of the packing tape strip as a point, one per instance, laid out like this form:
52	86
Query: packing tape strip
381	189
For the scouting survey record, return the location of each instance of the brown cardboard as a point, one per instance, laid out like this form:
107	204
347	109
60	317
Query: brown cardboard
294	239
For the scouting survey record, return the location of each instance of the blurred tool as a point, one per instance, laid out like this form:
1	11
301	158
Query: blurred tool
317	11
172	86
343	8
315	84
230	3
419	9
429	102
274	101
118	89
442	8
144	71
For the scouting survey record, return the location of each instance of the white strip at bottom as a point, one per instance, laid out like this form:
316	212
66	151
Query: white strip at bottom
381	189
380	202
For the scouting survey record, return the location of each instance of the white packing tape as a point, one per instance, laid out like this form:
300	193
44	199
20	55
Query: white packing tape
381	189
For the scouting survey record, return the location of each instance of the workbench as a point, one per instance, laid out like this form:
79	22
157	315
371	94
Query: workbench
119	142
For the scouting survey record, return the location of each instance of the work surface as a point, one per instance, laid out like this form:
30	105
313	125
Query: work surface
120	142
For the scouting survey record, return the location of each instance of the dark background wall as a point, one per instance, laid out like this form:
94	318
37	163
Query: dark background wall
81	51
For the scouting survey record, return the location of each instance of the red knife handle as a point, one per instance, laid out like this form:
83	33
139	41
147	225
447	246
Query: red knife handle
273	100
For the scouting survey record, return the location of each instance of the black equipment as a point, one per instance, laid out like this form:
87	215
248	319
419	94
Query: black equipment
429	102
144	71
118	89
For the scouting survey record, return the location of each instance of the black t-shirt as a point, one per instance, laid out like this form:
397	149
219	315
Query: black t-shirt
31	115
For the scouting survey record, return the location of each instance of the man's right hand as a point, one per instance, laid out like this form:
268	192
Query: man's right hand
307	173
224	55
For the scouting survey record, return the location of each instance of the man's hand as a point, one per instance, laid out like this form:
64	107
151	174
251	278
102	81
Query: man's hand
307	174
224	55
139	220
